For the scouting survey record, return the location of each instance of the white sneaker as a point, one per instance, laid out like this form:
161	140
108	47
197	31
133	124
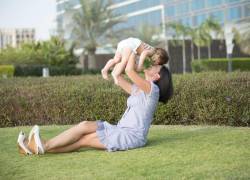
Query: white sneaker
21	146
35	143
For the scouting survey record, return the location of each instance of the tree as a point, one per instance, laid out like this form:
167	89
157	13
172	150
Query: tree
149	34
91	23
180	33
243	35
208	27
50	52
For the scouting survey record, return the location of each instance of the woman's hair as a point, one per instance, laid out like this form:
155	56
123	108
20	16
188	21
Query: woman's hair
165	84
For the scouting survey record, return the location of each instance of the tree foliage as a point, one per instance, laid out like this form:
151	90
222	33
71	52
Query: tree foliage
51	52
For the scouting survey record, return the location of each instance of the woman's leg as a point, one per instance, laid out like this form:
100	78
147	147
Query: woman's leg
110	64
89	140
119	68
71	135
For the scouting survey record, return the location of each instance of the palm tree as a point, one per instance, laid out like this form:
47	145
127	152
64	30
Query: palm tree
200	38
149	34
208	27
91	23
243	35
181	31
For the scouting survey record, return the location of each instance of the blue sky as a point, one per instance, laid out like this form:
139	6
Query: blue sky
38	14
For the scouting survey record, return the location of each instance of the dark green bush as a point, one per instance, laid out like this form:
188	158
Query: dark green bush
6	71
36	70
204	98
220	64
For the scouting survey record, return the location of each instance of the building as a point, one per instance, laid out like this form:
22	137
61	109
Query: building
161	12
14	37
157	12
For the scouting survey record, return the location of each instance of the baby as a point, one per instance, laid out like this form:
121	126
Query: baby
133	45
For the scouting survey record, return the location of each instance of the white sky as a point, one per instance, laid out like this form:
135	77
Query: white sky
38	14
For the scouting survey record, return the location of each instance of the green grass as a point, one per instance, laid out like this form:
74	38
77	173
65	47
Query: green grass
172	152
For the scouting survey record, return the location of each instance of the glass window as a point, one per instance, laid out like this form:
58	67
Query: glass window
182	8
234	13
247	10
231	1
198	4
170	11
197	20
212	3
60	7
185	21
218	16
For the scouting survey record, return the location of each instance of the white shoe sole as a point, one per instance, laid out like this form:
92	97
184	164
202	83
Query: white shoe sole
20	142
39	147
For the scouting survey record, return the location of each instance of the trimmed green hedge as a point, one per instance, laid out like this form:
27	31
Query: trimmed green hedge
220	64
205	98
36	70
6	71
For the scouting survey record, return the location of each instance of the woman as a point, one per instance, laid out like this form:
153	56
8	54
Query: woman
130	132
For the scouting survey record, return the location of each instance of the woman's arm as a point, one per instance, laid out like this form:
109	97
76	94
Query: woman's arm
134	76
124	84
142	58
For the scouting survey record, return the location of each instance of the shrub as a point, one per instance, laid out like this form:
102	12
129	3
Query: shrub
6	71
51	52
206	98
36	70
220	64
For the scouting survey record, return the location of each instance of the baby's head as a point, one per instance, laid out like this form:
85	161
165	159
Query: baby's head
160	56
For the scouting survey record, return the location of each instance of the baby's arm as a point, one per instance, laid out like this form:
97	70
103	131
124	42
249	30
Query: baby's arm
142	58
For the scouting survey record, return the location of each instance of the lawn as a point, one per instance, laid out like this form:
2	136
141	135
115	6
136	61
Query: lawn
172	152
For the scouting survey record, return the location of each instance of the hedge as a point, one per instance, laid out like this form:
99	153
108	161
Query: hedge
220	64
204	98
36	70
6	71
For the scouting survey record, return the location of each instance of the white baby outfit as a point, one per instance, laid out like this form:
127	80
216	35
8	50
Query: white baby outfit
132	43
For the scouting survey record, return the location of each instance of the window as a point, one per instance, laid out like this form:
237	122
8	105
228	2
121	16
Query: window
197	20
218	16
212	3
231	1
170	11
247	10
182	8
185	21
234	13
198	4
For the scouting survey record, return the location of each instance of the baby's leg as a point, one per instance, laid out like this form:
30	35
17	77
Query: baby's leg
119	68
111	63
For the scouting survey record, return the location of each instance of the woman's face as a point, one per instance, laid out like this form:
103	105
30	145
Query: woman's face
152	73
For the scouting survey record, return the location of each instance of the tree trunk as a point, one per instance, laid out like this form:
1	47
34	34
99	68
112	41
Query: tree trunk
199	52
209	51
184	56
91	60
83	61
192	50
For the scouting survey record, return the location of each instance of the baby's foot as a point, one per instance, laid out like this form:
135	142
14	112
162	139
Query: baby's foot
105	74
114	77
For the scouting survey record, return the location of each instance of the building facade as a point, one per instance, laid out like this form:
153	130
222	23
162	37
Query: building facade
158	12
14	37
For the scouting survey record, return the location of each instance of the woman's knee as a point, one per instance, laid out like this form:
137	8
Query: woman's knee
87	126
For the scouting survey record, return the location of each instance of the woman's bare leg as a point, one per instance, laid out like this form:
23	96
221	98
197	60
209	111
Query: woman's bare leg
89	140
110	64
119	68
71	135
